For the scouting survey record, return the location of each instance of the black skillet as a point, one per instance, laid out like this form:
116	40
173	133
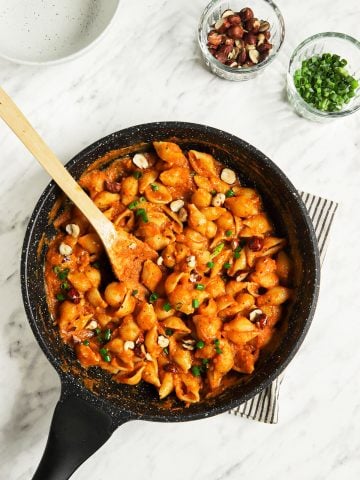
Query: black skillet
91	406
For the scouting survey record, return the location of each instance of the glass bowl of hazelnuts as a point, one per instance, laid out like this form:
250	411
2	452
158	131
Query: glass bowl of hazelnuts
239	38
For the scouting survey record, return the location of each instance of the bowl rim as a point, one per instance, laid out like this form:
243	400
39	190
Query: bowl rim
291	84
31	307
243	70
70	56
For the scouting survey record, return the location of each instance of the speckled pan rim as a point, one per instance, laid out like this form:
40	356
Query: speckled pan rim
71	56
217	409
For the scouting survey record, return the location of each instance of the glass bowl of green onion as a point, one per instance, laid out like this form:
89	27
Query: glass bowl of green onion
323	79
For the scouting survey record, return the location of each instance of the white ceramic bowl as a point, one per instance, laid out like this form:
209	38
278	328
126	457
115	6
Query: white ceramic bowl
40	32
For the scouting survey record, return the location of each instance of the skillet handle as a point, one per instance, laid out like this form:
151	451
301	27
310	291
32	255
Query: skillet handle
78	429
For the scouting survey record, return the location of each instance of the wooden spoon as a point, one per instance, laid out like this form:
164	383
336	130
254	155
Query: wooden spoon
126	253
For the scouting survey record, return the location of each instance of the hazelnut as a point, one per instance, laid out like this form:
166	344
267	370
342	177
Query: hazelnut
255	314
241	58
252	25
65	249
171	367
92	325
264	26
256	244
222	25
222	54
188	344
246	14
241	276
214	38
113	187
261	321
227	13
176	205
254	56
249	39
233	54
129	345
73	229
191	261
140	160
183	215
265	47
229	41
239	42
234	20
162	341
261	39
73	295
236	31
228	176
267	34
218	200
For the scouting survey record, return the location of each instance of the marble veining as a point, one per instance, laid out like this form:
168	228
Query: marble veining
148	68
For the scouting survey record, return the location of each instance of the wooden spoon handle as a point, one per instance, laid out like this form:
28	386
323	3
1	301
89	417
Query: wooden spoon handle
15	119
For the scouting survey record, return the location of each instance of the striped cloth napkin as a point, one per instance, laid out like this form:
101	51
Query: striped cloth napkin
264	407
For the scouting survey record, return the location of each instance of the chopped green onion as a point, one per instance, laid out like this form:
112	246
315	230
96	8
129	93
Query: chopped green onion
61	273
195	303
95	265
228	233
107	334
205	361
65	286
167	307
166	351
154	187
239	248
230	193
97	331
86	342
217	346
141	212
324	82
213	192
153	297
227	265
210	264
200	344
137	174
195	370
199	286
217	250
133	205
142	199
134	292
169	332
105	354
60	297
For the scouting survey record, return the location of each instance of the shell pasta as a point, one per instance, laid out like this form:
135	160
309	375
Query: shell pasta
198	314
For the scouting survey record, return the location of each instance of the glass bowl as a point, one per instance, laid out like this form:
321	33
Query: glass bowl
328	42
263	10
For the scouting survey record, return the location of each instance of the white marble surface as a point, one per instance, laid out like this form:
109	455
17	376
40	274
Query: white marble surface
147	69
